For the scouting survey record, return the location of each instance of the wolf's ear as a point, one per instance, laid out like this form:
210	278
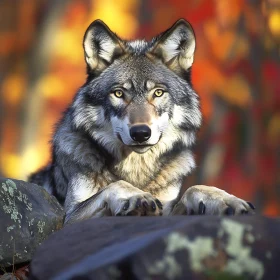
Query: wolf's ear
101	46
175	47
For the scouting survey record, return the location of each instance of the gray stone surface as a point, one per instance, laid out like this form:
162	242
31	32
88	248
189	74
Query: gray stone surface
28	215
178	247
8	276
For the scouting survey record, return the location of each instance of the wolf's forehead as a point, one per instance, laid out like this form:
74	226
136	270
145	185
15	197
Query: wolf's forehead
148	84
138	71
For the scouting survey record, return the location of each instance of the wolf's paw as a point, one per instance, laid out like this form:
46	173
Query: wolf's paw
207	200
126	200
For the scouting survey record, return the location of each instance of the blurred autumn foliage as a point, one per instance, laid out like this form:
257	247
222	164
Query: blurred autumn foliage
236	73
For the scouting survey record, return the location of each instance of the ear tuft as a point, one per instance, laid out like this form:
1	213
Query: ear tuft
176	46
101	46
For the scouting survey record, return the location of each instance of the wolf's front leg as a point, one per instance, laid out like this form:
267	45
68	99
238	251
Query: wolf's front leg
207	200
117	199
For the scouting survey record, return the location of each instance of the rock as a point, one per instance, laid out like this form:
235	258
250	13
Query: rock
28	215
8	276
178	247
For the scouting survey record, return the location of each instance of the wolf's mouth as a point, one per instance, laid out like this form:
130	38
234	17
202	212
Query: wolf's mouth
140	145
140	149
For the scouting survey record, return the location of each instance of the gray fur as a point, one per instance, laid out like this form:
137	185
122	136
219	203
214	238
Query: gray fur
97	168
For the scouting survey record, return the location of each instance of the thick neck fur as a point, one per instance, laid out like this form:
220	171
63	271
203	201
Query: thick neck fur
143	169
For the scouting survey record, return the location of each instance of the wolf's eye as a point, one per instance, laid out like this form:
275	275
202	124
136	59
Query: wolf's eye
158	92
118	93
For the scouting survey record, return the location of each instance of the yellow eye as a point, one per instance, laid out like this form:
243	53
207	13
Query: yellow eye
158	92
118	93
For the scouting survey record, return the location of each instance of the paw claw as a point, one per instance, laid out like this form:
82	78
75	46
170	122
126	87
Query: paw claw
154	207
126	205
251	205
191	212
145	204
229	211
201	208
138	203
159	204
244	212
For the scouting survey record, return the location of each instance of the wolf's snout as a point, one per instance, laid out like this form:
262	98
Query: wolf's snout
140	133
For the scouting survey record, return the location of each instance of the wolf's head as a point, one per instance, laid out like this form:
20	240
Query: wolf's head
138	94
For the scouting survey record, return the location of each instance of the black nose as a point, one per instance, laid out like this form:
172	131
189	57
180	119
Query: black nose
140	133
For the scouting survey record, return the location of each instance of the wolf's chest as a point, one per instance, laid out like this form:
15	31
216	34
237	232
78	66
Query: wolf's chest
138	170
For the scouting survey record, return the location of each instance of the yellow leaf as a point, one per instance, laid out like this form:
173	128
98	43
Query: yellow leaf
274	22
32	159
236	91
119	15
10	165
50	86
68	44
13	88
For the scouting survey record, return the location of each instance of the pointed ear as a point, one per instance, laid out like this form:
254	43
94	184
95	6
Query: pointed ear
101	46
175	47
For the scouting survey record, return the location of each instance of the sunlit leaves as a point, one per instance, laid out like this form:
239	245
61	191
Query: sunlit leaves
14	87
121	16
274	22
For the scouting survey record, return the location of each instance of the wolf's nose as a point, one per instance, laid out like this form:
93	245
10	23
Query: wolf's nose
140	133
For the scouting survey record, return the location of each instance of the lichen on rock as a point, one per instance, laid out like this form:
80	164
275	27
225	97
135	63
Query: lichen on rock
28	215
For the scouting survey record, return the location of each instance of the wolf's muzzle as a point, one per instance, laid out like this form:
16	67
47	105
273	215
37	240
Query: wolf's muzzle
140	133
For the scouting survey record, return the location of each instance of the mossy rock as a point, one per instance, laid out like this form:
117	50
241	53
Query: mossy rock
178	247
28	215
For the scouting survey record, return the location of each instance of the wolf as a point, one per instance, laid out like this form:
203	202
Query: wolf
124	145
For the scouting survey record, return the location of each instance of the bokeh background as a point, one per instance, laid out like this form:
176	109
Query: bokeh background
236	73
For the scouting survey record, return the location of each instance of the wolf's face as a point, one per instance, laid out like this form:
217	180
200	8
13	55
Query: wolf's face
138	93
